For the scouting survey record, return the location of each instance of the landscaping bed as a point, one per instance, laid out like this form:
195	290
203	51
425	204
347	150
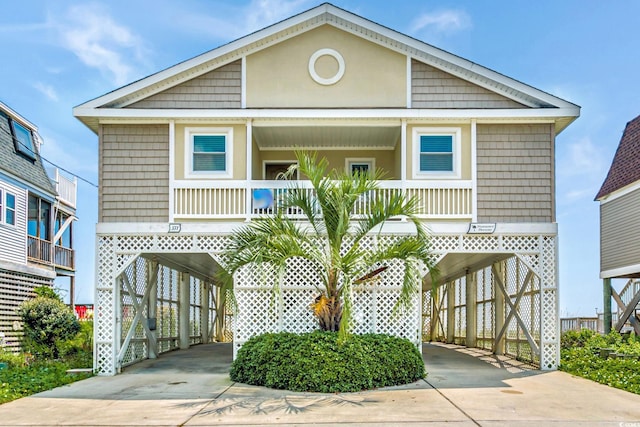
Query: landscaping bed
613	360
318	362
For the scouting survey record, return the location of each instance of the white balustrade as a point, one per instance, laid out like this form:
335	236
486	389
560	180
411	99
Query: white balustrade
227	199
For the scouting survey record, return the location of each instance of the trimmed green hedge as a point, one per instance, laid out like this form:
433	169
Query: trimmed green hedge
316	362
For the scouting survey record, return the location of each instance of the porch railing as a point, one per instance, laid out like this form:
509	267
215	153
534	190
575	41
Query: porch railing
40	251
228	199
66	188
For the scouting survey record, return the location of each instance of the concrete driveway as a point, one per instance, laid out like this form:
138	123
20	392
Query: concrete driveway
464	387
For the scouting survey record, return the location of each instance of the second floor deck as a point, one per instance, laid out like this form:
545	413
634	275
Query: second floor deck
249	199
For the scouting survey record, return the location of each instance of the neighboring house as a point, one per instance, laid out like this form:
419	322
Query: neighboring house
194	151
619	199
36	216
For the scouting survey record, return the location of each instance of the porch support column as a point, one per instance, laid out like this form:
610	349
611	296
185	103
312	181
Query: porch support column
606	299
249	166
474	172
152	310
472	309
451	319
403	151
499	311
204	312
183	310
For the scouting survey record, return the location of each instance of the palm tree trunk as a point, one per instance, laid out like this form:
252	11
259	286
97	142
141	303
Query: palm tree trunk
329	312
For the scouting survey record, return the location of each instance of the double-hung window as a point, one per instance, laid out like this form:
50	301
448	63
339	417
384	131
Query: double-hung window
437	153
209	152
7	208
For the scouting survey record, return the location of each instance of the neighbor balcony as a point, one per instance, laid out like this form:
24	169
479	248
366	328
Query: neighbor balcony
442	200
44	252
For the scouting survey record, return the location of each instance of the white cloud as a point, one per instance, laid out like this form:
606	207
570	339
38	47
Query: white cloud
583	157
46	90
99	42
235	21
444	21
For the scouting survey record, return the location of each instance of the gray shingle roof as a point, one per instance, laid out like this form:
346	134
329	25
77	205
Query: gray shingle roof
17	165
625	168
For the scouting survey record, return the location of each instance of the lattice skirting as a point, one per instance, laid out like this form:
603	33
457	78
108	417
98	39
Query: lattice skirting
259	311
14	289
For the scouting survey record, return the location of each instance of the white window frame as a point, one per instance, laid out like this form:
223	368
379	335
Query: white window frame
456	133
4	208
371	161
189	133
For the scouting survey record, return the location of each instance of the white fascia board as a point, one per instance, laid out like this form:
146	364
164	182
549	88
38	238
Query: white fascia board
227	227
619	193
620	272
391	113
451	58
17	117
241	44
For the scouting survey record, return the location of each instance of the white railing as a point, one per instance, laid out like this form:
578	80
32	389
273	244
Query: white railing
66	188
228	199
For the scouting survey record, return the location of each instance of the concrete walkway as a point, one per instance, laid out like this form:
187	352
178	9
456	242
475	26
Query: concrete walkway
465	387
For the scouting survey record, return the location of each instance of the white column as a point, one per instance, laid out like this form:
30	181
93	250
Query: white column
172	170
403	151
472	309
249	173
474	173
152	310
498	322
451	319
204	312
183	310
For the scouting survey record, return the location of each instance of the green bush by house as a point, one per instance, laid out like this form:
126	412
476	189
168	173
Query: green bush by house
317	362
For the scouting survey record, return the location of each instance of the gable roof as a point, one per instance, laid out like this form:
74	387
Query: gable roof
625	167
324	14
19	167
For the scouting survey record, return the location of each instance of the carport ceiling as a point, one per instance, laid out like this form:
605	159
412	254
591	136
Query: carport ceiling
200	265
326	137
454	266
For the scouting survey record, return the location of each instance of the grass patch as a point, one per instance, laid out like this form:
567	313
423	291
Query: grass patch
317	362
580	355
23	379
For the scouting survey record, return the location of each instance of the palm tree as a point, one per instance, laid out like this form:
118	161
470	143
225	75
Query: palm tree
340	210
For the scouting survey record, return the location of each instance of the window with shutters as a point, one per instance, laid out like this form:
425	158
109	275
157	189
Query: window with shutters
209	152
436	153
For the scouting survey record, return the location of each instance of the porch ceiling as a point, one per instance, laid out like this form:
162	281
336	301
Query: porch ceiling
326	137
454	266
200	265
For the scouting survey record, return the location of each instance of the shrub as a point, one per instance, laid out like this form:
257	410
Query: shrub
317	362
47	322
580	356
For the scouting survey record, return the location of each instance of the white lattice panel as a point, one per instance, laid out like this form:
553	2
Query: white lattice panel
268	313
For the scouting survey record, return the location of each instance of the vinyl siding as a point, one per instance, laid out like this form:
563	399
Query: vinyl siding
515	173
134	173
13	239
220	88
620	232
433	88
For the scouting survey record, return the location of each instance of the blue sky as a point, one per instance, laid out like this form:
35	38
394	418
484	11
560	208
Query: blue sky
58	54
